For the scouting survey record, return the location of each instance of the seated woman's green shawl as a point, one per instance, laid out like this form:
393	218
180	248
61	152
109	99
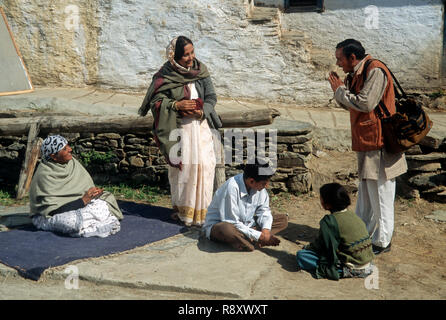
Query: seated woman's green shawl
54	185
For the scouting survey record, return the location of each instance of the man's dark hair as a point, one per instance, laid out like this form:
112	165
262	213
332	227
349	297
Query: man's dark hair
252	171
350	46
179	47
335	195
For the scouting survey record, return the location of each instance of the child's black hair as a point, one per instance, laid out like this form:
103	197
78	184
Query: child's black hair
335	195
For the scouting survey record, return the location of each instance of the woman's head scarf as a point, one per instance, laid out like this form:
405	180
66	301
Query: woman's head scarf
51	145
170	53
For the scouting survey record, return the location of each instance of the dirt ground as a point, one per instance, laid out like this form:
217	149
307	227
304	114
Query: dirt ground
414	269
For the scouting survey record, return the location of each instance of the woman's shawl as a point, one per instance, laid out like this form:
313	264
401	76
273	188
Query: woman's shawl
55	184
168	86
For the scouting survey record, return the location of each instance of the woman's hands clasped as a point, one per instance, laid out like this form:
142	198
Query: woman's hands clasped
187	109
92	193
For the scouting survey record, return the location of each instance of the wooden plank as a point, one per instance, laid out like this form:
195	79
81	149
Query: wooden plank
220	171
94	124
28	165
250	118
120	124
35	154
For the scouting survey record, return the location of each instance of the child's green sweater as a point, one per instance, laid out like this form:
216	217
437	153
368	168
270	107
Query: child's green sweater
343	237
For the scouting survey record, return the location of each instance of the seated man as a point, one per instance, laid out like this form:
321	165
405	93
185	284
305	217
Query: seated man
239	213
63	197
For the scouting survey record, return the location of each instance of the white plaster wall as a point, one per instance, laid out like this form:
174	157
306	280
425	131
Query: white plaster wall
407	35
246	63
243	61
121	43
234	50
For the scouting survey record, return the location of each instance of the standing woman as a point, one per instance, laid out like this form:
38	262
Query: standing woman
182	100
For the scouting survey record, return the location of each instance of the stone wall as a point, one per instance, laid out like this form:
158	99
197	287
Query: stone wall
426	176
277	56
293	152
134	159
12	153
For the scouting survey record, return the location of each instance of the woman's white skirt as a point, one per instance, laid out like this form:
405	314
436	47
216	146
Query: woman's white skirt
192	187
93	220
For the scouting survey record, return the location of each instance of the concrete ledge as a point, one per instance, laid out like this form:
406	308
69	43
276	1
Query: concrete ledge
186	263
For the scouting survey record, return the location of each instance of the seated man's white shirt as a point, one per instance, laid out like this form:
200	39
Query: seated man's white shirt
233	204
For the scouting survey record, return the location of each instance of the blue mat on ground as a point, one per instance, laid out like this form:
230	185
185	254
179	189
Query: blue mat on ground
31	251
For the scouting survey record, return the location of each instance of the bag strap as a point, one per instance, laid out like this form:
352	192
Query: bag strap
381	102
395	80
364	70
398	94
384	108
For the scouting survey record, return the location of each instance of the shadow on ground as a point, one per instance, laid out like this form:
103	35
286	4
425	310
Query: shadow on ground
285	259
206	245
299	232
294	233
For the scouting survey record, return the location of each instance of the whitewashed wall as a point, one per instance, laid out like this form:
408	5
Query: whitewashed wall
120	44
408	35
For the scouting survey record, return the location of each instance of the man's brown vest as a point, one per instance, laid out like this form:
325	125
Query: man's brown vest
366	126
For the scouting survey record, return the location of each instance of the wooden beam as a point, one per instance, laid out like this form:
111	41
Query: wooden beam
248	119
35	154
220	171
29	164
59	124
121	124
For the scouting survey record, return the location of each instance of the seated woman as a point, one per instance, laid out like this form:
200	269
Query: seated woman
64	199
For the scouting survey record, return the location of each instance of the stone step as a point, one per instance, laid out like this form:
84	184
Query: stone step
263	15
432	141
425	181
294	35
414	165
427	157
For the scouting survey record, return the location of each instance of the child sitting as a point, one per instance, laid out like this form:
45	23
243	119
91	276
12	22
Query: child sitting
343	248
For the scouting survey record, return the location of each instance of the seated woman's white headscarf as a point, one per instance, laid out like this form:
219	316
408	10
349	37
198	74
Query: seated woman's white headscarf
52	145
